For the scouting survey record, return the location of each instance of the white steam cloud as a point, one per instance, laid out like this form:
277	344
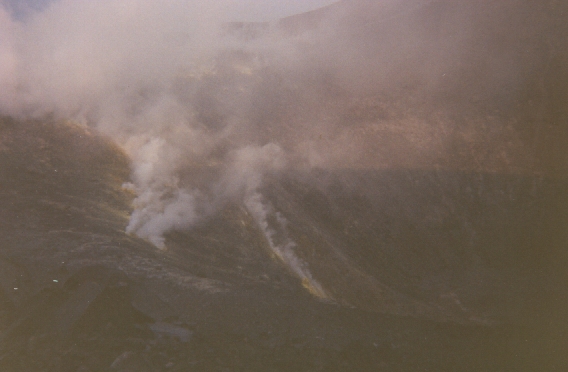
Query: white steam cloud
134	69
206	108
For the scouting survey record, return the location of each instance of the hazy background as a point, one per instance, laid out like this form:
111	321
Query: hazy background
205	108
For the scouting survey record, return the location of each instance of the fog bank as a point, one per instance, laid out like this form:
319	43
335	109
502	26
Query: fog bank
205	108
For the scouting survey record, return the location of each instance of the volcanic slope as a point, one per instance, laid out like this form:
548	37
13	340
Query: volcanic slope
420	269
432	238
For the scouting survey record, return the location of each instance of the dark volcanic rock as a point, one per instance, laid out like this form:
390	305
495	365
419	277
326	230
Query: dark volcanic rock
437	246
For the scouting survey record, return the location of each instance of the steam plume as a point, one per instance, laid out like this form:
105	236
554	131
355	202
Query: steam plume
205	107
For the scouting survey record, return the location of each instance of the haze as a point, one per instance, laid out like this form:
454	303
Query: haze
205	110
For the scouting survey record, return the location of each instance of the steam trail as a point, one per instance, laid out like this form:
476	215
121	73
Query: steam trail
280	243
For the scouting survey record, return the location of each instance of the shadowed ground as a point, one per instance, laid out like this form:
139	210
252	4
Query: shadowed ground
424	270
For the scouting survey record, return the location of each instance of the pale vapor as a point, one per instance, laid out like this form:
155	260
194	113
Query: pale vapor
204	108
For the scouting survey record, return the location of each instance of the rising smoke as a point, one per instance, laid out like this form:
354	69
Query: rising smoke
147	75
205	108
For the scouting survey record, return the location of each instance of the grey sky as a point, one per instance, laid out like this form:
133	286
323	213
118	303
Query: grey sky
265	10
239	10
